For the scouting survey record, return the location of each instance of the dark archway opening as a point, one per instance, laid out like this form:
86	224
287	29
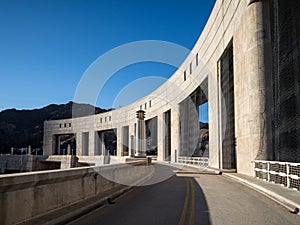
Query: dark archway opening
65	144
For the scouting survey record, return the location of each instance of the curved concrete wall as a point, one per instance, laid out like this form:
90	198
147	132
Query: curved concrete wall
231	21
30	198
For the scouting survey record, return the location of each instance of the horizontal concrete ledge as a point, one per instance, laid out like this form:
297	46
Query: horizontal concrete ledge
12	182
223	170
292	206
181	165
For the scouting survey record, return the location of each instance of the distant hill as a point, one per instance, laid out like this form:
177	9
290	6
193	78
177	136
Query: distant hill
203	125
20	128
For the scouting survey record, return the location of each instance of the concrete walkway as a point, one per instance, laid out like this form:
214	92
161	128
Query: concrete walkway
289	198
286	197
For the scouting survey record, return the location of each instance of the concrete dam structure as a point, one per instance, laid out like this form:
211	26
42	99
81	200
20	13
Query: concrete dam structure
245	64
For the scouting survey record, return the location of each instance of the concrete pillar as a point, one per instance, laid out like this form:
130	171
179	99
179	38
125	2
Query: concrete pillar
250	101
79	143
101	143
97	144
175	132
160	137
85	143
92	149
119	135
131	146
131	140
58	145
68	149
49	140
140	134
125	141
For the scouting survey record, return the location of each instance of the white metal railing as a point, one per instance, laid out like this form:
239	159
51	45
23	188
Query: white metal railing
284	173
201	161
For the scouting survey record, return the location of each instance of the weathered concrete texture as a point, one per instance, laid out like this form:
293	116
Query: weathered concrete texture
28	195
66	161
24	163
249	88
29	163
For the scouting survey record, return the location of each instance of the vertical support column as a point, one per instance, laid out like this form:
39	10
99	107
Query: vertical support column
125	141
119	141
219	116
69	149
49	142
85	144
97	144
29	150
131	141
102	144
175	132
79	143
160	137
184	138
140	134
214	119
131	146
92	149
58	145
251	69
52	146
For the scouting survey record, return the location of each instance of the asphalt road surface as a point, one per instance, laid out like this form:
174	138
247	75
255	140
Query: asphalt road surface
190	197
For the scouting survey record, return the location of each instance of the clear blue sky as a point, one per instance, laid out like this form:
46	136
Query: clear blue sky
46	45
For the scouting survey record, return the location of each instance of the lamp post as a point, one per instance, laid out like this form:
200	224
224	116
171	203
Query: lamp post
140	150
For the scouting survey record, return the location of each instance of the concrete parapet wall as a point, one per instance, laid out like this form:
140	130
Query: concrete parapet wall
22	163
66	161
100	160
27	196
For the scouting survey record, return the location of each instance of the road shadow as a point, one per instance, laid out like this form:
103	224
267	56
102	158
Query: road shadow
165	199
173	189
202	215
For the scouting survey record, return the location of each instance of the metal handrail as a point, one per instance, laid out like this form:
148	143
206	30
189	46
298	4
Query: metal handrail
284	173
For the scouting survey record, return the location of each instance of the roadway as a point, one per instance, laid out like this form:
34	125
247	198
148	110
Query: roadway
189	197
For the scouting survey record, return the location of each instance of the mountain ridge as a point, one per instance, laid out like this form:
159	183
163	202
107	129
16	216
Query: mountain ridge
21	128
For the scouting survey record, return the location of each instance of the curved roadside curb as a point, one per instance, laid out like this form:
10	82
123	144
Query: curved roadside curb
292	206
182	165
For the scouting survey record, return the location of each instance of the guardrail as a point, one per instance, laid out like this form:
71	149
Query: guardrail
201	161
284	173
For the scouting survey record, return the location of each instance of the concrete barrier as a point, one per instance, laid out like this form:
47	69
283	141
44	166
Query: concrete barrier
27	196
